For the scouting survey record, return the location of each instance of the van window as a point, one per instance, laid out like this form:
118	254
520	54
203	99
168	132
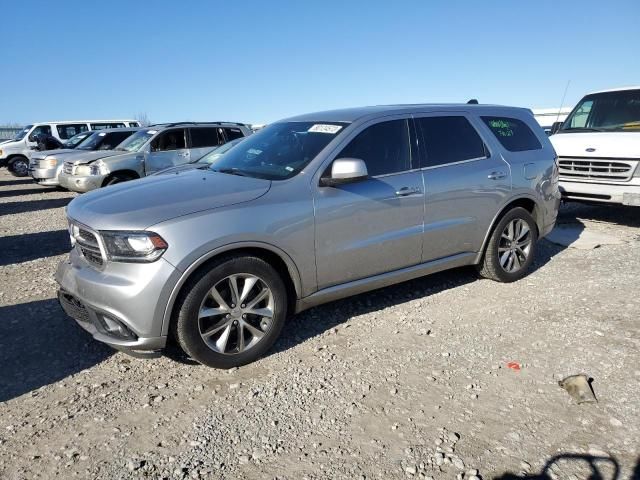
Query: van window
102	126
65	132
134	124
513	134
384	147
449	139
40	130
206	137
169	140
233	133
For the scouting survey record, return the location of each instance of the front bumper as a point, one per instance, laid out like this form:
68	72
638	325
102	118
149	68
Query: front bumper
80	184
46	176
125	294
627	193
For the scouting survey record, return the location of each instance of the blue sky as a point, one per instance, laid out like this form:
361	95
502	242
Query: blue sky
258	61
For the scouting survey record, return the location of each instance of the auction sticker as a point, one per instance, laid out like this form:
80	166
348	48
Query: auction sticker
324	128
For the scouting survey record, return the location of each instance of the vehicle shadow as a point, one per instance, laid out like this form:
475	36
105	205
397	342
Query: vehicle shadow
23	191
12	208
317	320
7	183
616	214
30	246
570	465
40	345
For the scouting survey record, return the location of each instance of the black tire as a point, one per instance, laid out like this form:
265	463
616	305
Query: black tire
491	266
186	326
117	178
18	166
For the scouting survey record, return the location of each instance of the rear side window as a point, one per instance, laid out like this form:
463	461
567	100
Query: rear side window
206	137
102	126
384	147
449	140
233	133
65	132
513	134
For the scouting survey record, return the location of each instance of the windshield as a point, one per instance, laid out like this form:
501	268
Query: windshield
77	140
136	141
278	151
606	112
20	135
218	152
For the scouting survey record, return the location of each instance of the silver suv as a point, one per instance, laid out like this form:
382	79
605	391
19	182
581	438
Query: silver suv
147	151
303	212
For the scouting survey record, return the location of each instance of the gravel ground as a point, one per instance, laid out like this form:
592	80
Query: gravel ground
406	382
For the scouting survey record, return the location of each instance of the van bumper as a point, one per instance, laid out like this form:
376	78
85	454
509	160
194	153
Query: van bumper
627	193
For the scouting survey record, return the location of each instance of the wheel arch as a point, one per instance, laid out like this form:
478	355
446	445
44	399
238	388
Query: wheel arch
277	258
131	174
528	203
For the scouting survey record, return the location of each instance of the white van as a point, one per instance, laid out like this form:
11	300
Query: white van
598	148
14	153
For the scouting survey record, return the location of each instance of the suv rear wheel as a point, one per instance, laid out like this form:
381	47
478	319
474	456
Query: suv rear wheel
19	166
511	247
232	313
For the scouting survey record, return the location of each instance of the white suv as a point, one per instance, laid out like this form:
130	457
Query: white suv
599	148
15	153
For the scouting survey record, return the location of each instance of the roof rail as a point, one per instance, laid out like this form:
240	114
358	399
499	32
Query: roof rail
175	124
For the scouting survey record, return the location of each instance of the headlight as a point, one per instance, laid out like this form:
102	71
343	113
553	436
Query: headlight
0	152
133	246
82	170
96	168
49	162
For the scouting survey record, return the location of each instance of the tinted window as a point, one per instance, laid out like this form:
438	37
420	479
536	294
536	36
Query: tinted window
40	130
449	139
102	126
513	134
233	133
206	137
67	131
384	147
169	140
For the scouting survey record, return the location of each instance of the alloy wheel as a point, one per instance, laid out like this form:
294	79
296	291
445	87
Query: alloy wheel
515	245
236	314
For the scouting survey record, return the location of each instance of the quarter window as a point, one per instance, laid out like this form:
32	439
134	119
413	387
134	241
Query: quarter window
103	126
67	131
449	140
384	147
233	133
206	137
513	134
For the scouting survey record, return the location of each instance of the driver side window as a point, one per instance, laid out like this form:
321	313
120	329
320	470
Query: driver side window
169	140
384	148
40	130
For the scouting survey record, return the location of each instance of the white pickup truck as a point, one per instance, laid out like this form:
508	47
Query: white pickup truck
598	148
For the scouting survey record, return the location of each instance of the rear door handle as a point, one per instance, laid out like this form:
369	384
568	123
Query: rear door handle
496	175
404	191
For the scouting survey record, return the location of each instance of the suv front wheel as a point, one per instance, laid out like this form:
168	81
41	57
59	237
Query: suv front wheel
511	247
19	166
232	313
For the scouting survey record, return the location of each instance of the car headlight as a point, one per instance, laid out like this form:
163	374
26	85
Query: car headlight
0	152
133	246
49	162
95	168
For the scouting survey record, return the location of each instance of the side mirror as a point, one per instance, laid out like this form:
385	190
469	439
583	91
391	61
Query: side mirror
555	127
345	170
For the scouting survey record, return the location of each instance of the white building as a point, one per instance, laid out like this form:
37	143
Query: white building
547	116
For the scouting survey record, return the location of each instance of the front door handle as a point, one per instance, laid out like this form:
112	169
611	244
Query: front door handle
404	191
496	175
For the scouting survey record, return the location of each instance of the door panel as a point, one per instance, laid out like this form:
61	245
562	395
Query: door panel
365	228
167	150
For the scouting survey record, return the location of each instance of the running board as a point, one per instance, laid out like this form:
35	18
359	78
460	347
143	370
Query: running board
382	280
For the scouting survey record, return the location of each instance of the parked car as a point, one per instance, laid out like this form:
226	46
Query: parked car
45	167
203	162
15	154
147	151
599	148
302	212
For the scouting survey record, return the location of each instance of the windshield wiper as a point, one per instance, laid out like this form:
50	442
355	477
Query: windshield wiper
231	171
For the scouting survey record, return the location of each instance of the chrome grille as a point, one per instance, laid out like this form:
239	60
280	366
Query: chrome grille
68	168
88	245
596	168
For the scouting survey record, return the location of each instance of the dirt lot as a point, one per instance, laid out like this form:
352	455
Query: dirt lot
406	382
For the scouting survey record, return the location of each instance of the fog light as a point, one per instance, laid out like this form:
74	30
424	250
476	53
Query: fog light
113	327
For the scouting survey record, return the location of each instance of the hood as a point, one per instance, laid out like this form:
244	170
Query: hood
80	157
55	153
5	141
10	144
186	167
139	204
604	144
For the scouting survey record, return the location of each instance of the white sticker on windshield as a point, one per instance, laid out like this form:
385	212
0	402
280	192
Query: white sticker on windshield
152	132
324	128
101	134
254	151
